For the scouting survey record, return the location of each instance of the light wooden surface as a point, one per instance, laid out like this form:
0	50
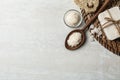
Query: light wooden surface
32	35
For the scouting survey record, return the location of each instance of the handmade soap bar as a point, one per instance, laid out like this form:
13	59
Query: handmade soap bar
110	21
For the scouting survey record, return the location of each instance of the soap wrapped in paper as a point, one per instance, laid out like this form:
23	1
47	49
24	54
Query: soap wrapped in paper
110	23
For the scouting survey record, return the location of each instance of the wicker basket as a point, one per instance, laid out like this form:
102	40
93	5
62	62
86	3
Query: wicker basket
113	46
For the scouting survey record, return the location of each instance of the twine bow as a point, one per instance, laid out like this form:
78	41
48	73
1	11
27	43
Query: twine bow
111	21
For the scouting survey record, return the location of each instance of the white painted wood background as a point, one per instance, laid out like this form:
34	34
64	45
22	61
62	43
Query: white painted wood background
32	35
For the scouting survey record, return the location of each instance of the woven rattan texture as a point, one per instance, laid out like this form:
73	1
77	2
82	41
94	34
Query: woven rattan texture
113	46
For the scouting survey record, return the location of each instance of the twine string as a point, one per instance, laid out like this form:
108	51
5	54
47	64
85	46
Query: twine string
111	21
